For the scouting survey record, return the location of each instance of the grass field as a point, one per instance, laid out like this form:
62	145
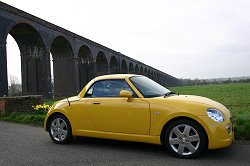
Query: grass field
236	97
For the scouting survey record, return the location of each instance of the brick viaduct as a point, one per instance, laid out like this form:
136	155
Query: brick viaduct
76	60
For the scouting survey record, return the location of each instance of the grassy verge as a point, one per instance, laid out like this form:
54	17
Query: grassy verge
236	97
26	118
37	117
51	101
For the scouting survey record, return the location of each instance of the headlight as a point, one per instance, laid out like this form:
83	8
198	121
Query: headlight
216	115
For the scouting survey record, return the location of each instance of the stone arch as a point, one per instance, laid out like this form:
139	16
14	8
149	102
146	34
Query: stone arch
114	66
141	70
162	79
137	69
149	73
101	64
158	77
34	61
64	67
131	68
85	66
154	75
145	71
168	81
124	67
165	82
13	56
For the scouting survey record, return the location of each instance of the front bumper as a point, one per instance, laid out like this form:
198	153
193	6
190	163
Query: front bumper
218	135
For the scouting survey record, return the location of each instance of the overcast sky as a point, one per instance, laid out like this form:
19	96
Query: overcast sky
184	38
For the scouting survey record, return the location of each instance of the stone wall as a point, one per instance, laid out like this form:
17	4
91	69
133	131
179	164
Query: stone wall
19	104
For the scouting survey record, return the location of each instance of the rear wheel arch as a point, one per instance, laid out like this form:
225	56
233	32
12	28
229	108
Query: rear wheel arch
164	129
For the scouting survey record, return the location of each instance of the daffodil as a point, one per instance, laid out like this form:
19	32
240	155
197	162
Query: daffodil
41	108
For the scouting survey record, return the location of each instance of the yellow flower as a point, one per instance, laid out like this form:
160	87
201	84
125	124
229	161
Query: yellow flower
44	107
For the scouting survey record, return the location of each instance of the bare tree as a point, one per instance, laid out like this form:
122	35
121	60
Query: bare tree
15	87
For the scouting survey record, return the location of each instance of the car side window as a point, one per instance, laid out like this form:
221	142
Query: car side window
108	88
89	92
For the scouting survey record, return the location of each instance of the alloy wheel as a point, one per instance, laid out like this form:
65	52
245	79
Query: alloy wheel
59	129
184	139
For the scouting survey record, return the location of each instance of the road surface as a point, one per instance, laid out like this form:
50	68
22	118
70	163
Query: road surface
30	145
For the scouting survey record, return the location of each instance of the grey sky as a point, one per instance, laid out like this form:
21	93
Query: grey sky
185	38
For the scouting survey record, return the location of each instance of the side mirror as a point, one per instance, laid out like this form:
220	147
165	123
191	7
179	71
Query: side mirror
125	93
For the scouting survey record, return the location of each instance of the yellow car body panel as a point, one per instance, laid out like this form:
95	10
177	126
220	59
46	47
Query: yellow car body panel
139	119
120	115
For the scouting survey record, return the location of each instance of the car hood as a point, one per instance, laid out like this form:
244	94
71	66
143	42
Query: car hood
198	99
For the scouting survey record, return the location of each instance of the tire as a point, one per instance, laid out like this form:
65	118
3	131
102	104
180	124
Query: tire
185	139
60	130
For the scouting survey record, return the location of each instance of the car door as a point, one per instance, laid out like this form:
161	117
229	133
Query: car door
111	113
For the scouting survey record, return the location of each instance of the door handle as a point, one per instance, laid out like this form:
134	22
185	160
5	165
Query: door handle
96	103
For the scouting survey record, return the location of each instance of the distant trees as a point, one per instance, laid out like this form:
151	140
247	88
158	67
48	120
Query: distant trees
212	81
245	81
15	87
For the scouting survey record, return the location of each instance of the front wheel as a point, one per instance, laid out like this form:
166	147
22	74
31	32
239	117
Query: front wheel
60	129
185	139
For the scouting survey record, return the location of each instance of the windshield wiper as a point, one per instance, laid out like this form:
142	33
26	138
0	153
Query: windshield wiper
168	93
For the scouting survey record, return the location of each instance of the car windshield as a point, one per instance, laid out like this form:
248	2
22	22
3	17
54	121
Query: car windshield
148	87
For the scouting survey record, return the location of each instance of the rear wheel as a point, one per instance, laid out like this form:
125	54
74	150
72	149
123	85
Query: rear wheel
185	139
60	129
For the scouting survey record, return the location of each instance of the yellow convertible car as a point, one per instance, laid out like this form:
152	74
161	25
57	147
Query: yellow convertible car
135	108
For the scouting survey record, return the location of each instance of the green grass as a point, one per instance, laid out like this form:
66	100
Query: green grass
236	97
51	101
27	118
